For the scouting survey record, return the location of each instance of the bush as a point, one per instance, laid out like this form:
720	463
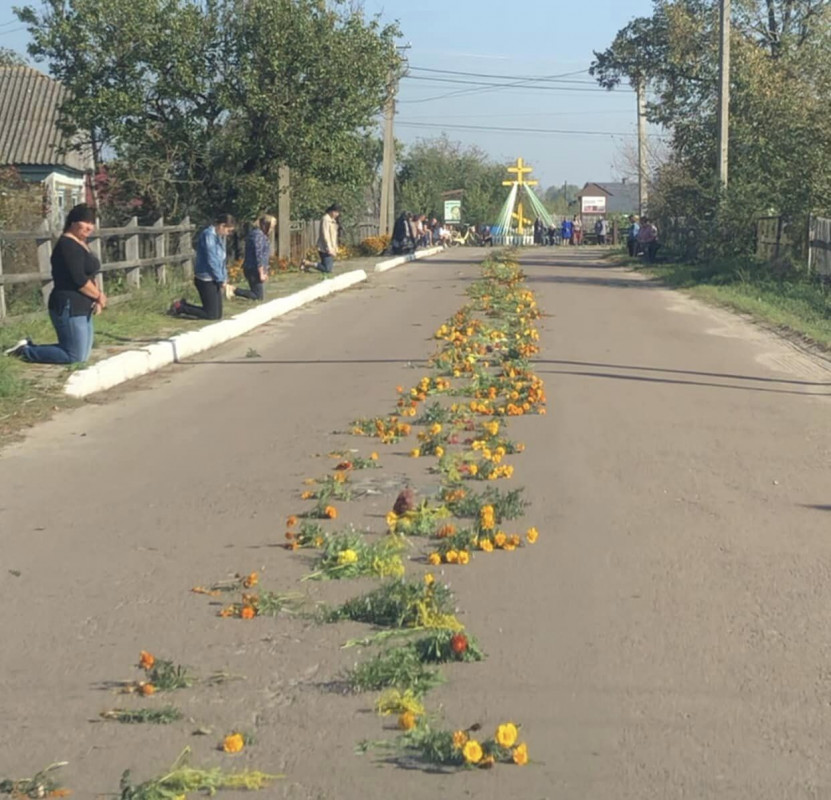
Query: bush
374	245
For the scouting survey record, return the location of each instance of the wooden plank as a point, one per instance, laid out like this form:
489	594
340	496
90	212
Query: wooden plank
2	290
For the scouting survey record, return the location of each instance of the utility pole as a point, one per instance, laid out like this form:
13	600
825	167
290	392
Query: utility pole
388	165
723	90
284	212
640	87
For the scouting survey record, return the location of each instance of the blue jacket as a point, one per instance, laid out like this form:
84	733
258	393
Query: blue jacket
210	256
257	251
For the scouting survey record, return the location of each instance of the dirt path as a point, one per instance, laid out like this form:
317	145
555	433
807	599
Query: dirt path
668	637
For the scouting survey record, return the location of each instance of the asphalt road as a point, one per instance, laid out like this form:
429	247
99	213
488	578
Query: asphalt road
667	638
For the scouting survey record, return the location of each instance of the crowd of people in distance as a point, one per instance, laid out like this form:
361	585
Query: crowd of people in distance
641	234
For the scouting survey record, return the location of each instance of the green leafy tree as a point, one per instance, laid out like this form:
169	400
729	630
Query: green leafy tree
431	167
197	104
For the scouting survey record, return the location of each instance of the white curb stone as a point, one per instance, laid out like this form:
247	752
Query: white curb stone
383	266
134	363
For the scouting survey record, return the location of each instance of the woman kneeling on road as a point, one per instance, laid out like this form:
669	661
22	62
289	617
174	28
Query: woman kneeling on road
74	299
210	272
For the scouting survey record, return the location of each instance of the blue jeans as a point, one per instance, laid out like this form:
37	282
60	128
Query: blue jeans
74	341
327	262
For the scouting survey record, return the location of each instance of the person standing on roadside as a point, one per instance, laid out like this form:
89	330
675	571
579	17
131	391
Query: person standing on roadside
255	262
632	236
327	242
577	231
566	231
210	271
75	297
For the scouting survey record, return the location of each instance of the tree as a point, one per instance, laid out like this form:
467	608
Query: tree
780	131
9	58
200	103
431	167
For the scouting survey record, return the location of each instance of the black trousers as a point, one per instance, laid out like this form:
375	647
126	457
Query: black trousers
210	292
256	290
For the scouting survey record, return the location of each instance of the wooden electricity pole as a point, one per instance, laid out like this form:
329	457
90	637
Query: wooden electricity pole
284	213
723	90
643	196
387	215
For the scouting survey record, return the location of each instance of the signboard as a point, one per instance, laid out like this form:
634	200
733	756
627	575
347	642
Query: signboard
593	205
453	211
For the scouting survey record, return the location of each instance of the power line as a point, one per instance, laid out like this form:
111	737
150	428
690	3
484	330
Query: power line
461	82
506	129
545	78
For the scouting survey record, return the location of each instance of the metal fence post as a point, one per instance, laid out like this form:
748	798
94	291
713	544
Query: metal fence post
160	243
44	246
131	253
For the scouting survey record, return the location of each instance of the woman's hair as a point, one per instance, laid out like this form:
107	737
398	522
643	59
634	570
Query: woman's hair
333	207
224	219
80	213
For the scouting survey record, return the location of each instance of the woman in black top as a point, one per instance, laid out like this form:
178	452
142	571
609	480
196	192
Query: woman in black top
75	298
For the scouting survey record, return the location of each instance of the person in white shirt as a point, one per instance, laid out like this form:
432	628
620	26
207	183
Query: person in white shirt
327	242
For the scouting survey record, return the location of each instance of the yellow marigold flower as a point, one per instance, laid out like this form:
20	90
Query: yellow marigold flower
532	534
500	539
473	469
451	556
429	579
318	542
373	456
486	518
486	545
459	739
340	477
514	540
472	751
464	557
415	453
435	429
509	547
347	557
407	721
439	452
307	495
392	519
520	755
507	734
434	559
233	743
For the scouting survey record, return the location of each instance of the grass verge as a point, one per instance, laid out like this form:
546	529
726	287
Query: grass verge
794	304
30	393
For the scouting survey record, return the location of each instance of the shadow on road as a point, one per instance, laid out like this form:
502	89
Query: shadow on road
624	283
728	375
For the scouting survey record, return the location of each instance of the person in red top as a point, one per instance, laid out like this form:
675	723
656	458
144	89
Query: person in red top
75	297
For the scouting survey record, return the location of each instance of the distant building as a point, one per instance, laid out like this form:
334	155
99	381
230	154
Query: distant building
608	199
32	143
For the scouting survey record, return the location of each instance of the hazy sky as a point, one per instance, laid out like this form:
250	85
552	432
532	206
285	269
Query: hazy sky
537	38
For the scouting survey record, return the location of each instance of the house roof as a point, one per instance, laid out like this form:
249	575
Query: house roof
29	135
621	197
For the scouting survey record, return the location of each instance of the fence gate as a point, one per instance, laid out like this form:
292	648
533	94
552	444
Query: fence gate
819	246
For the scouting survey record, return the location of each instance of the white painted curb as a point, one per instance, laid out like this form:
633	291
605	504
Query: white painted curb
134	363
383	266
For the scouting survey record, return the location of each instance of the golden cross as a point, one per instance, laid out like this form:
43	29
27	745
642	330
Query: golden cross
520	170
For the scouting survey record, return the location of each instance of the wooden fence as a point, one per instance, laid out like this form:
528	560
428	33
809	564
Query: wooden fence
772	239
127	250
819	246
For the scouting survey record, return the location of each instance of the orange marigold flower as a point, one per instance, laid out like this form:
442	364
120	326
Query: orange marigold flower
520	754
233	743
147	689
250	580
247	612
289	535
146	660
291	521
460	739
500	539
407	721
330	512
446	530
307	495
373	456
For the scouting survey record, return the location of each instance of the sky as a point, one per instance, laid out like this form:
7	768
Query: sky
565	127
